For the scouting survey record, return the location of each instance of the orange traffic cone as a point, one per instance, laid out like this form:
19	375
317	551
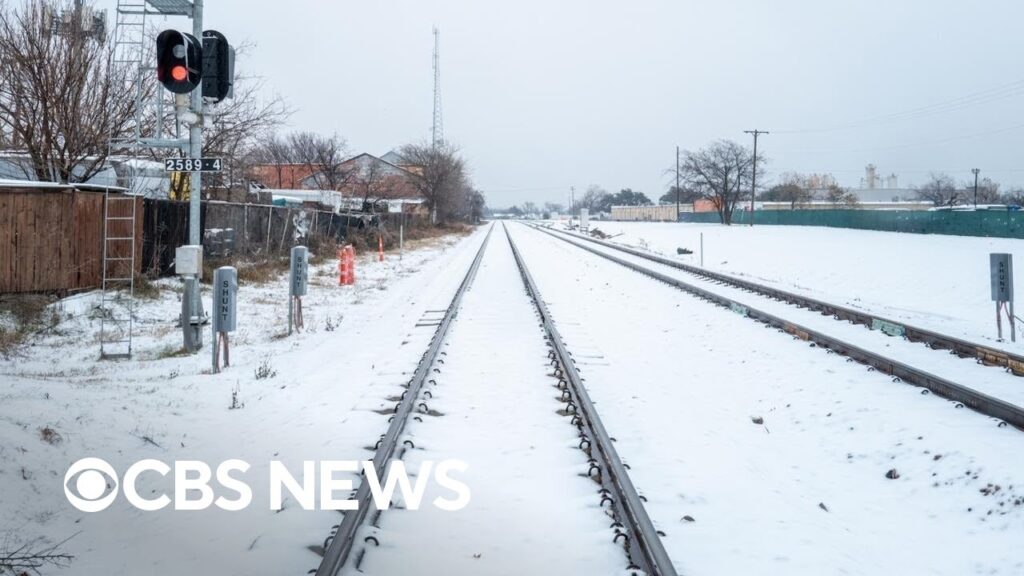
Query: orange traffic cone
342	267
351	264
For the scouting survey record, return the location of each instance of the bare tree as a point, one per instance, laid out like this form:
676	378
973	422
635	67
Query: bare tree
940	190
322	156
553	207
439	175
62	98
988	191
717	171
595	199
240	126
1013	197
372	181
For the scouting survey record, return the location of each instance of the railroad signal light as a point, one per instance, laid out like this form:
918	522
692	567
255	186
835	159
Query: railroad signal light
179	61
218	66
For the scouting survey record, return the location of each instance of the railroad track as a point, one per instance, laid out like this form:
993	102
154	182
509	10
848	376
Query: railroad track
642	542
342	539
983	403
1013	363
629	523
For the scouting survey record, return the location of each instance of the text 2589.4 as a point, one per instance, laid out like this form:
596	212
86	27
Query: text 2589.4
193	164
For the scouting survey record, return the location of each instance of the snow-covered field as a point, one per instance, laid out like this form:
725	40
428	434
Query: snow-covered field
317	402
932	281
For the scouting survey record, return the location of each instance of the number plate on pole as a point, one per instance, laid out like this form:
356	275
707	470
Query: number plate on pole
193	164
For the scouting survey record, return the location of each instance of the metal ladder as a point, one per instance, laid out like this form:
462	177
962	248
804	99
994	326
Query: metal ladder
117	307
118	301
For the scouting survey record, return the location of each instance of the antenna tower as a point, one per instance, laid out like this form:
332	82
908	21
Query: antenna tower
437	132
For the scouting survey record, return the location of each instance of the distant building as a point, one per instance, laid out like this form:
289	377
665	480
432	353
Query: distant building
282	176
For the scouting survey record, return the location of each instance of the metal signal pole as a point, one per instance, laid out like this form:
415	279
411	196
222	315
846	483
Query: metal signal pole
677	184
195	229
753	181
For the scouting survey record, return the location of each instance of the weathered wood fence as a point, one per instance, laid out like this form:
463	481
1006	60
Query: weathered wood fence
51	239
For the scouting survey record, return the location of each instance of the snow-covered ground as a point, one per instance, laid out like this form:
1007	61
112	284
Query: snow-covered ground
760	454
932	281
318	401
756	452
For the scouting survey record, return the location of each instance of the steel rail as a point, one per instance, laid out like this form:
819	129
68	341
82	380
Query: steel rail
641	540
1014	363
978	401
343	539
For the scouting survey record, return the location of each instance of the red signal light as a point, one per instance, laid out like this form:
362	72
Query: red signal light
179	73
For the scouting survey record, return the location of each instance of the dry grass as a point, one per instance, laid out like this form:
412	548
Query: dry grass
258	271
30	316
145	288
367	240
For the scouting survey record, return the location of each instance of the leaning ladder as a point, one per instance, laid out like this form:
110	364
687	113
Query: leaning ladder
117	306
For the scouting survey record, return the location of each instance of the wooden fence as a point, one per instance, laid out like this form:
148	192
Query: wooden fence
51	239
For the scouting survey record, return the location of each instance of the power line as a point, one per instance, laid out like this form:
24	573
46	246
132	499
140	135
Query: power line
974	99
919	144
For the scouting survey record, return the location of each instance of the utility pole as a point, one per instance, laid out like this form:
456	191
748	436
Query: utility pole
572	203
753	180
677	185
975	171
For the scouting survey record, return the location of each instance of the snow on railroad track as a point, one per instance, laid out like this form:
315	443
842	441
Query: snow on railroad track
758	453
993	381
933	281
495	406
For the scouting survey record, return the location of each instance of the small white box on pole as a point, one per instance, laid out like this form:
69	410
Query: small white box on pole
188	261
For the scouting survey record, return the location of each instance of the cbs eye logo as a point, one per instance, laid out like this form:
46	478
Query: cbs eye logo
86	484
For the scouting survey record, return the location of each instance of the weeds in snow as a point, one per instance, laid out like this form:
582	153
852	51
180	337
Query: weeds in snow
265	369
235	404
332	324
172	352
50	436
31	557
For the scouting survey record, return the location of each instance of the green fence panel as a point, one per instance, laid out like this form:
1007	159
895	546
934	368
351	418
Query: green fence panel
989	223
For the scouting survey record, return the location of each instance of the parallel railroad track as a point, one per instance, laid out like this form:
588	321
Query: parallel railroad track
1014	363
900	371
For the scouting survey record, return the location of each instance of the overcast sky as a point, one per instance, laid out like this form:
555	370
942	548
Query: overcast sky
544	95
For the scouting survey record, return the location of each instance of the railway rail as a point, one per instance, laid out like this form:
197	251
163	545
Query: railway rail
342	540
901	371
630	525
1014	363
631	522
